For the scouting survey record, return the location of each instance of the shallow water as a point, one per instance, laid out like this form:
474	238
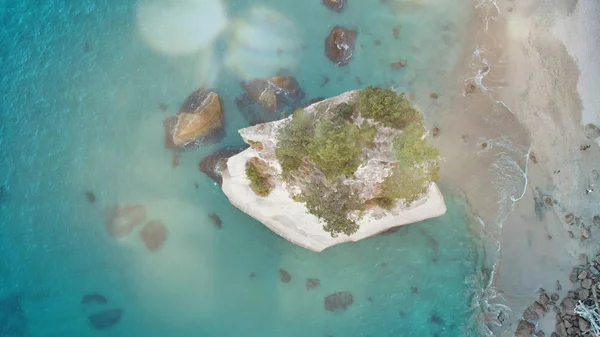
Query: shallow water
80	112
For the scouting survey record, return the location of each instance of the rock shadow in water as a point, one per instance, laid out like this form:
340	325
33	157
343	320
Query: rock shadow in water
93	298
212	165
216	220
284	276
105	319
90	196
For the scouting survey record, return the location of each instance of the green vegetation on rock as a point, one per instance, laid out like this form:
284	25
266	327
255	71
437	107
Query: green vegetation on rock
386	106
293	142
336	147
330	141
258	182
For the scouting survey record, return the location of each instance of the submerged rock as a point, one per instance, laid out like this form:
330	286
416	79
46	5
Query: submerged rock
93	298
122	220
284	276
90	196
200	117
339	45
339	301
335	5
274	93
154	235
216	220
312	283
105	319
214	164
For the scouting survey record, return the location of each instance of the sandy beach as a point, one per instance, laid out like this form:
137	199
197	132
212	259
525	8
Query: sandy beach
534	72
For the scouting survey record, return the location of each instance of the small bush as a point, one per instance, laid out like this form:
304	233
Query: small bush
258	183
344	110
385	202
388	107
332	205
411	148
336	147
293	141
367	135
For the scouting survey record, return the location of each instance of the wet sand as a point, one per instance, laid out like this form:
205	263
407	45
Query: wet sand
512	137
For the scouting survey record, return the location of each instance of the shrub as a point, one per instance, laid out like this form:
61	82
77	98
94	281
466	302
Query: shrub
258	183
385	202
411	148
367	134
336	147
344	110
332	205
388	107
293	141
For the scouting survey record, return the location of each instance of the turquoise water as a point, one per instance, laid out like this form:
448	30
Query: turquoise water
80	112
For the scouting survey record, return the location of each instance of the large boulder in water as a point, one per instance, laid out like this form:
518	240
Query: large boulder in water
200	117
212	165
274	93
122	220
335	5
339	45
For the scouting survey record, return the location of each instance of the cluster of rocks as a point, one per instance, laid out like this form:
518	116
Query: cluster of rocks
568	323
122	220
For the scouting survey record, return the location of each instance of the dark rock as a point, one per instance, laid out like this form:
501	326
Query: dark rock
560	329
544	299
122	220
583	274
573	276
583	259
396	32
154	235
567	323
216	220
596	219
212	165
436	319
398	65
554	297
583	294
339	301
556	310
335	5
434	95
585	233
105	319
587	283
583	324
524	329
569	218
435	132
530	314
574	331
532	157
571	235
554	334
339	45
558	286
539	308
571	294
93	298
274	93
540	333
414	289
90	196
312	283
284	276
568	306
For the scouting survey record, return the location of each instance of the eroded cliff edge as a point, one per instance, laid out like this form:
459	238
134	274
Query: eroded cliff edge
282	199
